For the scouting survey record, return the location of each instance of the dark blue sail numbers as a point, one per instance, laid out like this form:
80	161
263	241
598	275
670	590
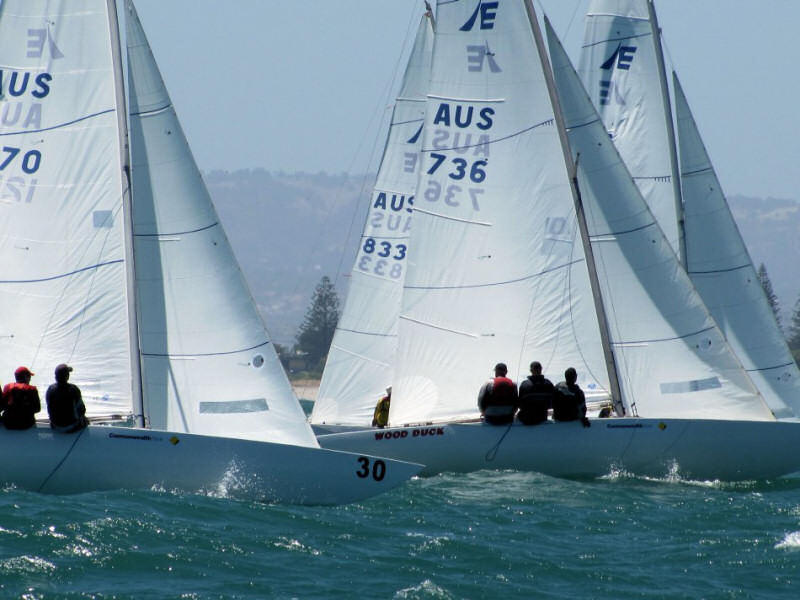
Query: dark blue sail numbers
459	159
23	92
383	249
22	111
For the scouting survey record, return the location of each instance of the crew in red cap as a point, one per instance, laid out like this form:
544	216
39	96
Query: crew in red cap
20	401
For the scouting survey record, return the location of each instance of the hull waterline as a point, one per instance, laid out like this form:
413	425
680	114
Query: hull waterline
692	448
101	458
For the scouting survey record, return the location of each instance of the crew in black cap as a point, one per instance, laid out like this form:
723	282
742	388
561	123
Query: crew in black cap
64	403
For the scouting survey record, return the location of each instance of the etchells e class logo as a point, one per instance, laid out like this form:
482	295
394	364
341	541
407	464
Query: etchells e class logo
620	59
480	55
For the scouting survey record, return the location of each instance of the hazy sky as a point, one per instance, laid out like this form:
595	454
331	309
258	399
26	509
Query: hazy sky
302	85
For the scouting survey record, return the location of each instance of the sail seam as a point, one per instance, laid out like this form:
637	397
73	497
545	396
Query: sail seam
149	113
472	335
190	356
61	276
739	268
669	339
617	39
359	332
449	218
480	285
360	356
450	98
788	364
613	234
97	114
198	230
697	172
481	144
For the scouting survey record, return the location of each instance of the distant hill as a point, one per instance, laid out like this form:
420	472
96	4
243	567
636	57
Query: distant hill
288	230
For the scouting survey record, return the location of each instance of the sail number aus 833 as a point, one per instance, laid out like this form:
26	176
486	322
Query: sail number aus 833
377	469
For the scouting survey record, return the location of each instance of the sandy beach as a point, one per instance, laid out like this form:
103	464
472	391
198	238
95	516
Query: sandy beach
306	389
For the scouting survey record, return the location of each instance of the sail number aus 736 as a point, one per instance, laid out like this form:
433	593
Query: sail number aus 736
377	469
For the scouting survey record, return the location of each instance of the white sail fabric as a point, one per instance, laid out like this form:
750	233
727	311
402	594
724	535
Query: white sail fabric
208	364
723	273
619	68
62	256
672	359
361	359
493	273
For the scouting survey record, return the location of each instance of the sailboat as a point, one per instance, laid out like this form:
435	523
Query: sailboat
362	355
517	144
622	67
114	261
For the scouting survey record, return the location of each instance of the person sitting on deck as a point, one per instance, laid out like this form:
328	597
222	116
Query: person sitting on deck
20	401
64	403
535	396
381	416
498	398
569	403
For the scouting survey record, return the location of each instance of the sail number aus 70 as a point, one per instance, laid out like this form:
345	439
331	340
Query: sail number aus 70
377	469
30	160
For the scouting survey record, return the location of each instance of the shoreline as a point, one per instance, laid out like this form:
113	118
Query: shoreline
306	389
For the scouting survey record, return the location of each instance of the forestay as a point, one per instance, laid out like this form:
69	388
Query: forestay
62	254
494	271
672	359
361	359
208	365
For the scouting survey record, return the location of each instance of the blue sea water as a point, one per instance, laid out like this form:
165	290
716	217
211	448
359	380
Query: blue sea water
486	534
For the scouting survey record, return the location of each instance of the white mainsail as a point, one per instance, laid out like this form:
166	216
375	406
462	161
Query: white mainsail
621	66
672	359
361	359
62	255
208	364
494	272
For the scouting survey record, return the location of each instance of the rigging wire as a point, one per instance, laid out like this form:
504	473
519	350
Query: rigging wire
379	114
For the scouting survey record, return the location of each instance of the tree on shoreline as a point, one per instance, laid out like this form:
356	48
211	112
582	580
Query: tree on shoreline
316	331
766	283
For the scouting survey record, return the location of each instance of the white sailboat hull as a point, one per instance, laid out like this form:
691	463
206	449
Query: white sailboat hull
692	448
107	458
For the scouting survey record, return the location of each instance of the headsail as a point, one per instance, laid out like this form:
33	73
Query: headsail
209	366
724	275
361	359
63	285
494	272
672	359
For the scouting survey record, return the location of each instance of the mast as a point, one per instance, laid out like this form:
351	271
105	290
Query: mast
613	375
673	152
127	211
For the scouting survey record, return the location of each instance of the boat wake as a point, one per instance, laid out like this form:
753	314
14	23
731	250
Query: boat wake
791	541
